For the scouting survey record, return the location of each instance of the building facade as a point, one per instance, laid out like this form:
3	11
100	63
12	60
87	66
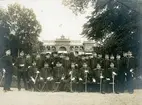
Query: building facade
65	45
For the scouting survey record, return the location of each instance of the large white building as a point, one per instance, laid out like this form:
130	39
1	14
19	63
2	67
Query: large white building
66	45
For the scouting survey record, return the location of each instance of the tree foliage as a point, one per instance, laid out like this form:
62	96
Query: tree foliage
116	24
77	6
21	28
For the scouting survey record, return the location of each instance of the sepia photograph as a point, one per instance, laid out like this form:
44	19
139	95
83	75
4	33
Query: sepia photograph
71	52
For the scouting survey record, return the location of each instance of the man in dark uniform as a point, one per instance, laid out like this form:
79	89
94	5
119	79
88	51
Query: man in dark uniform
8	70
47	75
77	60
34	76
54	59
93	61
112	59
118	65
21	73
62	58
66	65
82	60
27	66
98	77
106	62
84	75
112	76
100	60
39	62
122	72
73	77
87	60
131	65
59	76
48	59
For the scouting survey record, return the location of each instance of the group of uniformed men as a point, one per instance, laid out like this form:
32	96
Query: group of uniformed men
61	72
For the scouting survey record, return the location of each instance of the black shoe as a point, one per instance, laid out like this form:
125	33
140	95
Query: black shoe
10	90
117	92
103	92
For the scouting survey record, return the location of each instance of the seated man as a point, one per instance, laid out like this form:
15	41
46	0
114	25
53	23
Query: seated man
98	77
34	77
58	75
47	75
73	78
84	76
111	77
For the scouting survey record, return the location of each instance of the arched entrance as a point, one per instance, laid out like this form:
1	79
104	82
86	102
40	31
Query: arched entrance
62	49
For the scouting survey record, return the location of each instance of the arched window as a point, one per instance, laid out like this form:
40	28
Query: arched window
71	48
62	49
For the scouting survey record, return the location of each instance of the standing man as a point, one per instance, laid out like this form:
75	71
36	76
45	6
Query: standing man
106	62
93	61
39	62
118	64
112	59
122	72
21	73
112	76
27	67
66	65
7	65
100	60
131	65
48	59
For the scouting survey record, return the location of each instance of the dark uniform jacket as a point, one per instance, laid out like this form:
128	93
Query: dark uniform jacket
100	61
124	64
49	61
74	74
20	63
96	73
54	60
93	63
7	64
58	73
131	64
82	73
106	64
28	63
109	73
118	65
33	72
112	61
46	72
39	63
66	65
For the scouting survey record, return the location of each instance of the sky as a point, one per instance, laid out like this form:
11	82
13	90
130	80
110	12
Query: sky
55	18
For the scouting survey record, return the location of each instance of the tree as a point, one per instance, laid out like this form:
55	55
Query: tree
4	31
115	24
22	27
